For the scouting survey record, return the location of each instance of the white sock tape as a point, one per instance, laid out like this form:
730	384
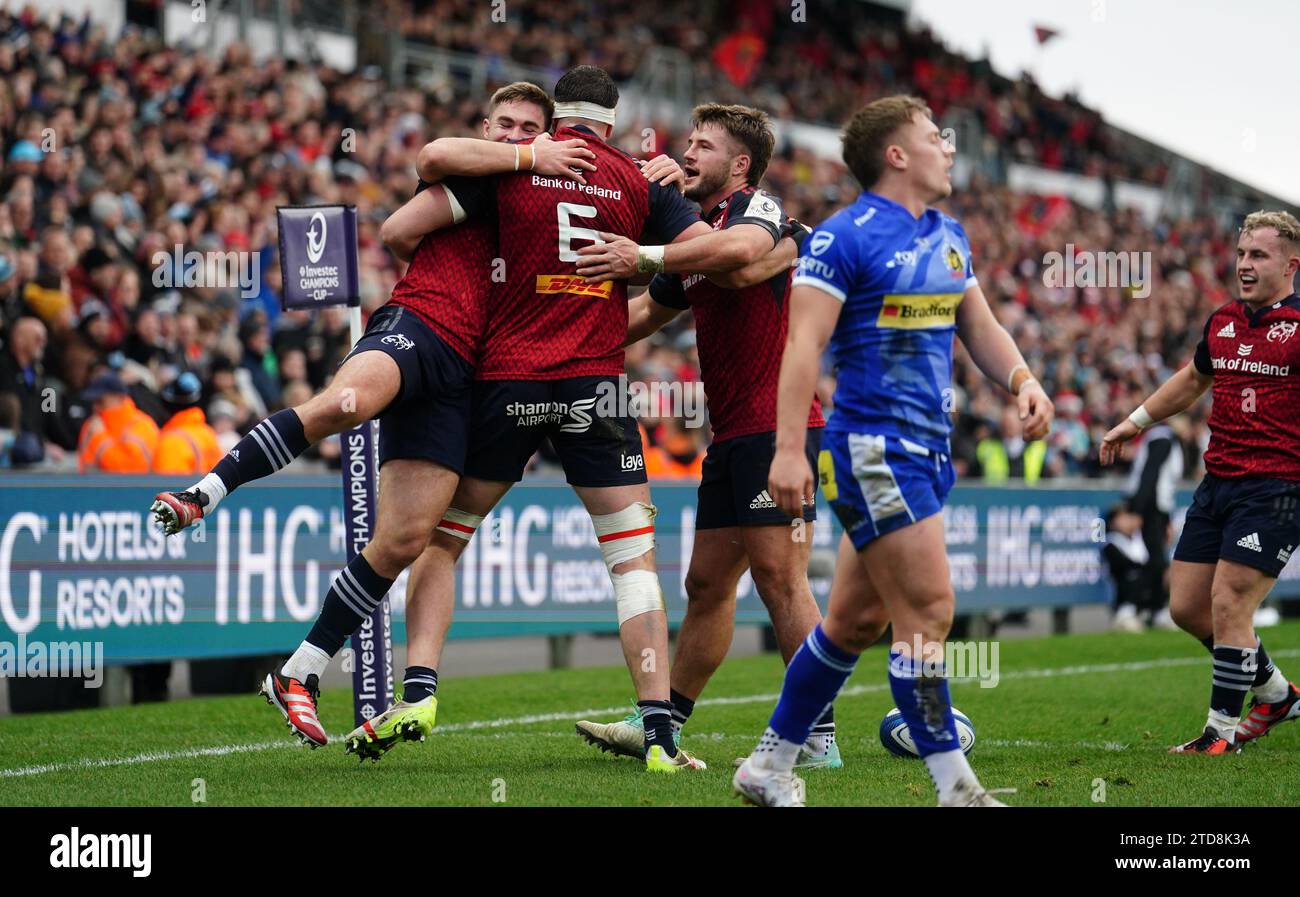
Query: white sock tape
636	592
459	524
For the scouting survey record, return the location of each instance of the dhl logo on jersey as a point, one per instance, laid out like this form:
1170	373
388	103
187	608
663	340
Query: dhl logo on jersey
920	311
574	285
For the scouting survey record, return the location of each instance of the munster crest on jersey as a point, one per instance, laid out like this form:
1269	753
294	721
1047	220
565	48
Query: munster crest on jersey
1282	331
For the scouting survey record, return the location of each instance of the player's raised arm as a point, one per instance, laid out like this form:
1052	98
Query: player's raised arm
471	157
712	252
996	355
813	315
1176	394
744	240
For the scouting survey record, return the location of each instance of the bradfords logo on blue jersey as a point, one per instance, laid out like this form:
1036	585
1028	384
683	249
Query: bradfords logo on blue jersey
318	256
918	311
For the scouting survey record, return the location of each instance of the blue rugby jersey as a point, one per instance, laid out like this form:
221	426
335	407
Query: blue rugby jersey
901	279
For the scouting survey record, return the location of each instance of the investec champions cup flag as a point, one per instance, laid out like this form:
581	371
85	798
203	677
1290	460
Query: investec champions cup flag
318	262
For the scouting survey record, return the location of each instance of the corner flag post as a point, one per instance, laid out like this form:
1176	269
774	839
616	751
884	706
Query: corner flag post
318	262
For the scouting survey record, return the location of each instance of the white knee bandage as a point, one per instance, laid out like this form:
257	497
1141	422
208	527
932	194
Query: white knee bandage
636	592
625	534
459	524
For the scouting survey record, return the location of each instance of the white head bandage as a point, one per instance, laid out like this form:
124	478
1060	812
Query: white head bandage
583	109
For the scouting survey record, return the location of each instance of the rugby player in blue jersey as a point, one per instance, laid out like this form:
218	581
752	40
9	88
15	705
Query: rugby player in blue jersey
886	283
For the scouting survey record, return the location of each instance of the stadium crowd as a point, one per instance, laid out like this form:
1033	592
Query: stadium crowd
118	152
818	66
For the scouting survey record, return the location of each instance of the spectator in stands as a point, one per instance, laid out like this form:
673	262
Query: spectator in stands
118	437
221	416
258	359
186	444
17	448
22	375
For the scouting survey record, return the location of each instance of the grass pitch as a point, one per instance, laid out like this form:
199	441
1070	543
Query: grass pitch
1075	720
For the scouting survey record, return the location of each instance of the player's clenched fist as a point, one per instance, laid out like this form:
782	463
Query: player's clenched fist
1036	411
790	481
1112	444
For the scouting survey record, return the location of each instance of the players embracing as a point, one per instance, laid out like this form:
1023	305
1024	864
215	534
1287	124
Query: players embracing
886	282
554	347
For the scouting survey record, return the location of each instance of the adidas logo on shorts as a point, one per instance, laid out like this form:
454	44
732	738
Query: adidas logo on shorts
1251	542
1227	331
761	501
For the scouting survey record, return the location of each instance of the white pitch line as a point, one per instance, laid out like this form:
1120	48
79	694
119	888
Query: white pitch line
506	722
151	757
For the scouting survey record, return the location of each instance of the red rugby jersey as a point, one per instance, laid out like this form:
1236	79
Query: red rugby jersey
446	283
544	321
740	334
1254	358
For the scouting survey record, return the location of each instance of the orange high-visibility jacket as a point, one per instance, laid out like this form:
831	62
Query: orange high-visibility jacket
187	445
120	440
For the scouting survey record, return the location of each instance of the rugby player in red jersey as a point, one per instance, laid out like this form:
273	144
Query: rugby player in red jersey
551	367
412	369
740	337
1243	524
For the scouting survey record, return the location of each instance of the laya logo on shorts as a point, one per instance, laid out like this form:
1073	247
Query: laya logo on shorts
573	285
398	340
919	312
633	462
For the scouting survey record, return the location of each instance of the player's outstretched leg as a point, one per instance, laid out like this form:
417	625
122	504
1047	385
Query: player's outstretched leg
430	601
1275	700
366	383
413	494
1237	592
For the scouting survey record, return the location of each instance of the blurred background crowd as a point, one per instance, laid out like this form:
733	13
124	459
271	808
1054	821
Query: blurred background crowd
115	148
